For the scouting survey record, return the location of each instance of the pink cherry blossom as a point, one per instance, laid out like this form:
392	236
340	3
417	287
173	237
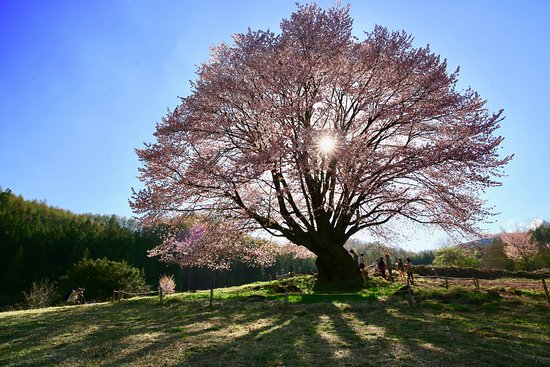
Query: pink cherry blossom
212	245
406	143
519	245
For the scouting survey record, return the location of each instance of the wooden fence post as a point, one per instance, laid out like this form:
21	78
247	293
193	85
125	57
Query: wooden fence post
160	295
212	283
546	291
446	282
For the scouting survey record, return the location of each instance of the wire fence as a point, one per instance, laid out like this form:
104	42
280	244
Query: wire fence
119	295
445	281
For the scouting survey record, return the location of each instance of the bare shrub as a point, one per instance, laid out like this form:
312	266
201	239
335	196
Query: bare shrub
42	294
167	284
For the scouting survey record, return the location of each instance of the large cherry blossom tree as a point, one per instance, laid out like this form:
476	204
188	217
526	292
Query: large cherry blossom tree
314	135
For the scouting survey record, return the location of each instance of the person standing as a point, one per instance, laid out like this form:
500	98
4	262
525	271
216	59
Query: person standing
389	266
408	269
382	267
401	269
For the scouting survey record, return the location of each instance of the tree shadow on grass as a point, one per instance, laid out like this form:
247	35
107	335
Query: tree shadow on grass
268	334
475	337
292	339
144	334
80	335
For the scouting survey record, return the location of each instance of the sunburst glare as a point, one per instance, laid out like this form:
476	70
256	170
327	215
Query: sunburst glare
327	144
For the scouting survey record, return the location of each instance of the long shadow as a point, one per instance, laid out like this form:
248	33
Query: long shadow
310	335
290	339
290	336
370	344
476	339
79	334
29	338
266	333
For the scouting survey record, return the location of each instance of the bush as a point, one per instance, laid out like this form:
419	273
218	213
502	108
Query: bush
42	294
456	256
167	284
100	277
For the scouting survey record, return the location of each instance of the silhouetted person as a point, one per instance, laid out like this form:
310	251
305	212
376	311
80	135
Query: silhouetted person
382	267
408	269
401	269
389	266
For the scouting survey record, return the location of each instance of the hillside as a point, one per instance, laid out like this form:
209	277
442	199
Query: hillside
250	326
39	242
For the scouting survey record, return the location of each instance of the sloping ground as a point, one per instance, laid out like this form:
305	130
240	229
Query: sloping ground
251	326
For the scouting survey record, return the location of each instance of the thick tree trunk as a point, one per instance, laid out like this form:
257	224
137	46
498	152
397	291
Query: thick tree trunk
335	264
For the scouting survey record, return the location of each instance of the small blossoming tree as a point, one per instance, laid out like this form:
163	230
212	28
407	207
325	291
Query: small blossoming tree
519	245
213	245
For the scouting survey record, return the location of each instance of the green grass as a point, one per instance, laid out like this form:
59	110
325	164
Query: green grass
251	326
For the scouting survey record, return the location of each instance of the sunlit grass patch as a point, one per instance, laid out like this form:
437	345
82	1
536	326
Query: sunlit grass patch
250	325
299	289
457	295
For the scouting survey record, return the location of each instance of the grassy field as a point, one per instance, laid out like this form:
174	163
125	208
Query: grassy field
251	326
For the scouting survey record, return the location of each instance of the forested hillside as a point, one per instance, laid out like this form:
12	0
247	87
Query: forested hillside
41	242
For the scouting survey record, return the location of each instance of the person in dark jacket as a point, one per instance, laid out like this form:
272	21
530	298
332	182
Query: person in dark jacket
408	269
389	267
382	267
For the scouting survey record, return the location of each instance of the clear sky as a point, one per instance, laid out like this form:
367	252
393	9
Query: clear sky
82	83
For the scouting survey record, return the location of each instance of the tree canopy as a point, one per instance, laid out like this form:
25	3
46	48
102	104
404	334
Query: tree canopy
314	135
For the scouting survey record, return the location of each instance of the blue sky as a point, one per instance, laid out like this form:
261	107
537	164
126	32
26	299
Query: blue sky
83	83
